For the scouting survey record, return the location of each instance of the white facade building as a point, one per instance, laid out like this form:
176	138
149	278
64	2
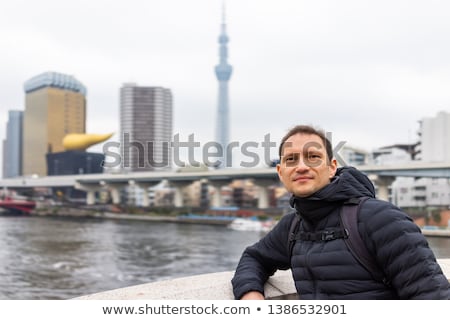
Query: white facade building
435	138
433	146
352	156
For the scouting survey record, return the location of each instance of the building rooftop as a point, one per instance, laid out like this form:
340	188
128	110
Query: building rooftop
55	80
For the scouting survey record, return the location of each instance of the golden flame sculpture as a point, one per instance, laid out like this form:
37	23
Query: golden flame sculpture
82	141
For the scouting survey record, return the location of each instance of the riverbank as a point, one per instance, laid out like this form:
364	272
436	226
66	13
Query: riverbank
175	216
220	216
172	217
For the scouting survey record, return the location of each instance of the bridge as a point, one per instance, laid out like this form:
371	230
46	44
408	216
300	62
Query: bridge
382	176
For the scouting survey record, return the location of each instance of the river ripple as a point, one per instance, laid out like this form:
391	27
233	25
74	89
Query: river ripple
63	258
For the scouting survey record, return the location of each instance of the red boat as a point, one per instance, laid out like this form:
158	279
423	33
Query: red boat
17	206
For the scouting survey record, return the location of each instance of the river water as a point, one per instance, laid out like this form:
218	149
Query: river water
63	258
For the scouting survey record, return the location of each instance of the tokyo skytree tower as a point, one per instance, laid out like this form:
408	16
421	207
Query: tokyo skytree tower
223	73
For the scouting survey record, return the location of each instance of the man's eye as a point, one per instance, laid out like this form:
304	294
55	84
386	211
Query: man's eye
290	159
314	157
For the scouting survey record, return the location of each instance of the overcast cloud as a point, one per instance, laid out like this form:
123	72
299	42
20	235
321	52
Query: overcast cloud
367	71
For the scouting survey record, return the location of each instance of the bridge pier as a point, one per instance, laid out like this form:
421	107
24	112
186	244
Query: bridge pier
382	183
216	200
114	190
145	186
90	191
115	194
263	197
179	188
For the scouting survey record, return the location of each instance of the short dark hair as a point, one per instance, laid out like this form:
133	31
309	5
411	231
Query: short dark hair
304	129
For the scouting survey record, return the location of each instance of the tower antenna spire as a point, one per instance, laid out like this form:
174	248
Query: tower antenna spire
224	17
223	12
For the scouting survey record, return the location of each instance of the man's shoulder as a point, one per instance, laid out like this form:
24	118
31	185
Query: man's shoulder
377	211
378	203
375	205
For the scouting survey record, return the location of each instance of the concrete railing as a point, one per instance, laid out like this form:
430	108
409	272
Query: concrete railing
212	286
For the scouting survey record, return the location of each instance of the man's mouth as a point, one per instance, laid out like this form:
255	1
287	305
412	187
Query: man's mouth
302	178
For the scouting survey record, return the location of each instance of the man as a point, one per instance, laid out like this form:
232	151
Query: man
326	269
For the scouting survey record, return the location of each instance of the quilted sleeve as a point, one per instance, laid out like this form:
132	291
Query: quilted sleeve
259	261
402	251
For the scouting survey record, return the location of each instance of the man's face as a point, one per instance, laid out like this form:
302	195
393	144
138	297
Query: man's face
304	167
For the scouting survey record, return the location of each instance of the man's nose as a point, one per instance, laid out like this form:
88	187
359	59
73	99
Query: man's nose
302	164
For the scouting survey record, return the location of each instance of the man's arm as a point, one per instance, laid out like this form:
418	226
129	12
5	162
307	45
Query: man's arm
404	254
261	260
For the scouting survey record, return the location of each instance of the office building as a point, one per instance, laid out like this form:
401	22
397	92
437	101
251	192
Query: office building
12	145
55	105
145	128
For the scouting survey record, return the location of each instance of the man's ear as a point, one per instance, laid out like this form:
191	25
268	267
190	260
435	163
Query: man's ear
332	167
279	171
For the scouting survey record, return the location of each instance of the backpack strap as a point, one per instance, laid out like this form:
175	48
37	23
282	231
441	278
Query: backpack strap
295	224
354	242
350	234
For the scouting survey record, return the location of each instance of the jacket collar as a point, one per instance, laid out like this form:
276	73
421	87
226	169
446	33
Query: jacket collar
346	184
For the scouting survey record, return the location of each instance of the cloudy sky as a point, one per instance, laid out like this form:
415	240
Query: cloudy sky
367	71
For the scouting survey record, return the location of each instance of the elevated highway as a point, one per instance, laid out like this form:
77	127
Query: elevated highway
382	176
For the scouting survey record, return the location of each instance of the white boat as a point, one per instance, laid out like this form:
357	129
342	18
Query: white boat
243	224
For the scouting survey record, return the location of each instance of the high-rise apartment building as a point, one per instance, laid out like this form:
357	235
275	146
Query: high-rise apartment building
223	73
434	137
12	145
145	128
55	105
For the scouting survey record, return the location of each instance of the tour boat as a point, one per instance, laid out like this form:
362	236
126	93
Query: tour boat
243	224
17	206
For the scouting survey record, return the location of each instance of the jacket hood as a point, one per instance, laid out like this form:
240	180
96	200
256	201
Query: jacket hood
346	184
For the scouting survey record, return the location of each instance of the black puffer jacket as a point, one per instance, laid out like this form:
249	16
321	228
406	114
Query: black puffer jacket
327	269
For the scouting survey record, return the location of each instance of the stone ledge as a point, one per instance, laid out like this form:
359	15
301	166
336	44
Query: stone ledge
211	286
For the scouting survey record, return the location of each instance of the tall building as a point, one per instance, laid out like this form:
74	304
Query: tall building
433	146
223	73
55	105
434	138
12	145
145	128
